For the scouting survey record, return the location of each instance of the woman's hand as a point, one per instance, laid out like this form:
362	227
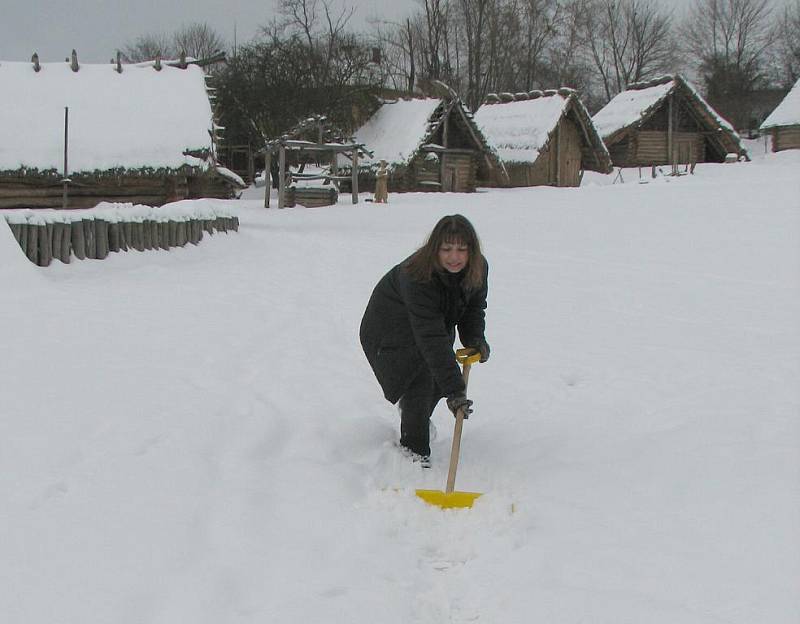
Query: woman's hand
459	401
481	346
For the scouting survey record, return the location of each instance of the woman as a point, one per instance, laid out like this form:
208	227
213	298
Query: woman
408	329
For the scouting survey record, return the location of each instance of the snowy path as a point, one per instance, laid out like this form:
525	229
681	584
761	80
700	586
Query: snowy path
195	436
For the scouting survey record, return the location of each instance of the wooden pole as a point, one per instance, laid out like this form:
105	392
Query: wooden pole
670	154
558	154
65	193
335	169
268	176
355	176
281	177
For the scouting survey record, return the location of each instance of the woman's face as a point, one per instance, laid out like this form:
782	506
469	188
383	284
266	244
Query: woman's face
453	257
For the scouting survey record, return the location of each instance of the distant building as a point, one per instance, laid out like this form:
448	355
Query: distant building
141	133
430	144
784	122
665	122
542	138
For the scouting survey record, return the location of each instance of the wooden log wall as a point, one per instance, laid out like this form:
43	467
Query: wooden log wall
42	241
786	138
651	147
43	192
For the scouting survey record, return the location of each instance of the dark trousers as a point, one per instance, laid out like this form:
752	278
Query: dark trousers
416	407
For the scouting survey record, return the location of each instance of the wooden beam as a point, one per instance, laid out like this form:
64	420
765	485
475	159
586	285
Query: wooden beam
268	175
558	153
670	129
354	182
65	179
282	177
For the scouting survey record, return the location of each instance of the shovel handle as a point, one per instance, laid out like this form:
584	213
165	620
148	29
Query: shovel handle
466	362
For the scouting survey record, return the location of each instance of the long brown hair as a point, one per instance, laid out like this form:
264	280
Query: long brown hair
450	229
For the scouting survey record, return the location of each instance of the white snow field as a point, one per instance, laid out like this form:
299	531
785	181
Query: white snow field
194	436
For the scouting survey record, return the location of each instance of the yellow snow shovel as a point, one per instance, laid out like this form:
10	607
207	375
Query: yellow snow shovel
450	499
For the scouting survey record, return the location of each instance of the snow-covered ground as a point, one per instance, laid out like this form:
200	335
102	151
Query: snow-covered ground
194	436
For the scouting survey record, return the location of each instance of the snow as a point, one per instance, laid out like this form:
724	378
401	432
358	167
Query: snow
518	130
139	118
195	435
396	130
788	111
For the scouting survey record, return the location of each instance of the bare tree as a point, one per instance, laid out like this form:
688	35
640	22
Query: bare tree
198	40
788	44
627	41
324	31
148	47
476	17
540	28
730	42
566	63
436	23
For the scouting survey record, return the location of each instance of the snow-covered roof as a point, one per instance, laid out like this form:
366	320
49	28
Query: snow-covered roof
628	107
397	129
788	111
518	130
631	106
134	119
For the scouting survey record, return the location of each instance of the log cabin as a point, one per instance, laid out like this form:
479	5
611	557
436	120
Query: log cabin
77	134
783	124
543	138
430	144
665	122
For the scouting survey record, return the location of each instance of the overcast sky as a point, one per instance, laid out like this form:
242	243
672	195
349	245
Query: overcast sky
97	28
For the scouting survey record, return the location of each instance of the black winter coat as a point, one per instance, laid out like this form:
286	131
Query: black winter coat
409	324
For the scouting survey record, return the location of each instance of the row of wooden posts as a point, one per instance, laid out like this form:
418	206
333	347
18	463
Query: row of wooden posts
42	242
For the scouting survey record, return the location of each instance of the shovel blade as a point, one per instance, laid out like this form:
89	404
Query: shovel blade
448	500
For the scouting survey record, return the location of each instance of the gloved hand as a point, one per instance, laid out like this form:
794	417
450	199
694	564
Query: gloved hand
481	346
459	401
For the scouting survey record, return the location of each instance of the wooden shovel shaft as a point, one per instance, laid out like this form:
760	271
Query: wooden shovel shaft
456	448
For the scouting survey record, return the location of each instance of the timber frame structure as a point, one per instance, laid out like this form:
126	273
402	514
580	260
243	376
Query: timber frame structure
332	150
327	147
665	122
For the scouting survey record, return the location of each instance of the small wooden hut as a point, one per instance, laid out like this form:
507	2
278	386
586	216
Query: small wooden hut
130	133
543	138
665	122
784	122
430	144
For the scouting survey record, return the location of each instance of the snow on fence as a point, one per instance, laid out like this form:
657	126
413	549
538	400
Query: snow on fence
45	235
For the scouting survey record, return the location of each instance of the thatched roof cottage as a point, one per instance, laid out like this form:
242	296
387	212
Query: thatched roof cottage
140	133
430	144
665	122
784	122
543	138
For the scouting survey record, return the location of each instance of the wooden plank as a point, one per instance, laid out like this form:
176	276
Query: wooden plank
78	240
268	176
101	238
354	182
281	177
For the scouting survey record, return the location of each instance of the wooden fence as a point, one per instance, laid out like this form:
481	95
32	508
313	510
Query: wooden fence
44	240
